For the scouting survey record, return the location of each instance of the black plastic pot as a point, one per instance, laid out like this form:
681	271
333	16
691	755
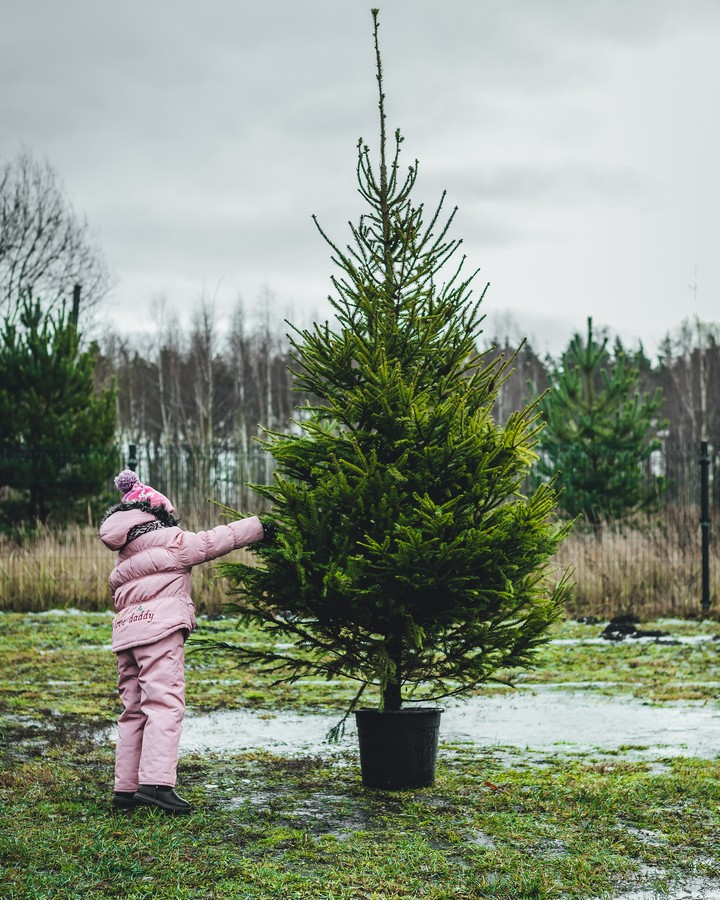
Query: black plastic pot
398	749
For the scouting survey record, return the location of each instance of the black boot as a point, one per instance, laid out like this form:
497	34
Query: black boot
124	801
163	797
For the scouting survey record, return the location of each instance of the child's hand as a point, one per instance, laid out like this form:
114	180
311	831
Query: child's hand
269	532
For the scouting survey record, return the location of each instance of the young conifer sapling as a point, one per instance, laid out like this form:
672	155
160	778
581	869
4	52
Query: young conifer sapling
407	555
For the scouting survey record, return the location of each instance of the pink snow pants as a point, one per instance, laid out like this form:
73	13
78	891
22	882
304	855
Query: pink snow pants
151	682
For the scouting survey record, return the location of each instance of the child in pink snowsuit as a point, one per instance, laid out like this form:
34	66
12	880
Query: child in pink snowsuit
150	587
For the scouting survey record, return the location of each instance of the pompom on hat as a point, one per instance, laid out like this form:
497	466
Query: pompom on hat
128	483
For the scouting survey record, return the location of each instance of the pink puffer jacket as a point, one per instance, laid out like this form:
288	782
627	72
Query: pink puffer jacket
150	584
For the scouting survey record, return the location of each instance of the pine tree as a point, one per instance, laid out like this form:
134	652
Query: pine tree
56	432
407	557
600	429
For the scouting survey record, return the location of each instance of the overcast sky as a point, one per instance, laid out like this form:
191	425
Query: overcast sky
580	140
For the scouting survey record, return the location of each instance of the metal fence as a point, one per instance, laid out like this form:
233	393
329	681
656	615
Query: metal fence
195	480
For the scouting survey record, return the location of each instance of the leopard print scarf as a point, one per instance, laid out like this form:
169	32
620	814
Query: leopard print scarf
146	527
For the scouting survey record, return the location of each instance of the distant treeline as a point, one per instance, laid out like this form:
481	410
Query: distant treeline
219	382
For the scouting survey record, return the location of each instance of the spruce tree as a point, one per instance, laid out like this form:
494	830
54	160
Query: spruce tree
57	433
600	430
406	555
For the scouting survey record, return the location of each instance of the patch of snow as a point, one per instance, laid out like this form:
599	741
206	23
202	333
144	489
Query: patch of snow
580	685
651	838
70	611
572	642
668	641
480	839
695	889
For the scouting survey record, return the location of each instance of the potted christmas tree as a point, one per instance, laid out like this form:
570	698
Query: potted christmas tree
406	556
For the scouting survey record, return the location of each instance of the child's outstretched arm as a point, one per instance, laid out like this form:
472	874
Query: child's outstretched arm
201	546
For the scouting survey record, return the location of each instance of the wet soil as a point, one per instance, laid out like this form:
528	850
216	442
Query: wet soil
24	738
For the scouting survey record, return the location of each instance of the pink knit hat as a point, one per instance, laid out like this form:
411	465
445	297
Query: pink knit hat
133	489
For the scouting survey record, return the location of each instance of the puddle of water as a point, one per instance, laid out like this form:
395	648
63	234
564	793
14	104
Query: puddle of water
244	729
546	720
535	720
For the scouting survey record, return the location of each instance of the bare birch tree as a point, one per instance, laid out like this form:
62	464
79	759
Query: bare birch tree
45	248
689	371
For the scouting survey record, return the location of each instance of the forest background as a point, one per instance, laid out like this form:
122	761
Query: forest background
219	381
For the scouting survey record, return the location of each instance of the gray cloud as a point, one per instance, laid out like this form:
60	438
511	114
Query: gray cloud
199	138
560	183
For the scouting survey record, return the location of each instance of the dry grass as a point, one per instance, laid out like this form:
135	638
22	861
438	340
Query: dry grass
55	569
650	572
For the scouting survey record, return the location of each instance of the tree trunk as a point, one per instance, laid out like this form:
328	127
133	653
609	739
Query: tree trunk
392	696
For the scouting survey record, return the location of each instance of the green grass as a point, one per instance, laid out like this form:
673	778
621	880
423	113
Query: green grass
305	828
652	671
499	823
61	661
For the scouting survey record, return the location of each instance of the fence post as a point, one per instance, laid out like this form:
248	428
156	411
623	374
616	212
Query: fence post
132	458
705	523
75	314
